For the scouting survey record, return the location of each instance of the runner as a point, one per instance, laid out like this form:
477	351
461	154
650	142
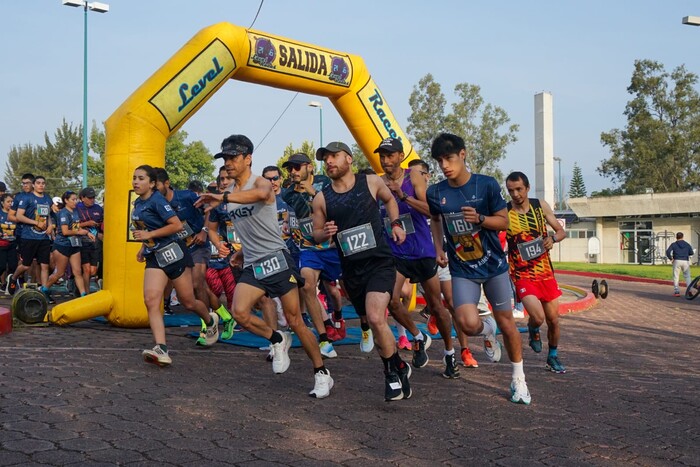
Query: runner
531	266
155	223
347	211
268	267
91	218
470	208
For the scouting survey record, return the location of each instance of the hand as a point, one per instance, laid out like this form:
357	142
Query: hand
548	243
41	225
470	214
330	229
307	186
91	236
399	234
441	259
223	250
141	235
236	260
211	201
139	256
394	186
199	238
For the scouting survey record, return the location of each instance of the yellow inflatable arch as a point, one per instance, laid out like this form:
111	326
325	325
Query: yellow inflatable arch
136	134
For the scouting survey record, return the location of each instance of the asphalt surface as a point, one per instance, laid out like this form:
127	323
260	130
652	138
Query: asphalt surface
81	394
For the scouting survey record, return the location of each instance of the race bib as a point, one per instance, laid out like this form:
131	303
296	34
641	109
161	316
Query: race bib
185	232
357	239
231	235
270	265
306	225
532	249
457	226
169	254
42	210
75	240
406	224
213	251
293	221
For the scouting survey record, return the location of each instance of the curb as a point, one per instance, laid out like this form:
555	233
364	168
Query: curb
618	277
585	303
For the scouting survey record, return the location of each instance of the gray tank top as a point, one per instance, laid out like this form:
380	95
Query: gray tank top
256	226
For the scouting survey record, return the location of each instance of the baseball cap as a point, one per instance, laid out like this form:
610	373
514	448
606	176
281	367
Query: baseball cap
57	200
87	193
296	159
235	145
335	146
390	145
3	187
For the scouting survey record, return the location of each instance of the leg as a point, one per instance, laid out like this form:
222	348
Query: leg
185	293
313	306
154	282
61	263
78	273
292	312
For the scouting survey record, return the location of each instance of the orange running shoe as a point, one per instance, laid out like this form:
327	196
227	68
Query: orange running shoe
468	359
404	344
432	325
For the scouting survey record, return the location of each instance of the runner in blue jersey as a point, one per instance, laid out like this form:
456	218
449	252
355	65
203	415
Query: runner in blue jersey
8	239
415	257
268	268
470	209
155	223
27	188
91	218
317	260
67	244
33	211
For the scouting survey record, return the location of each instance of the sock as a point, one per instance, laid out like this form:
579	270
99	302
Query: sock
488	328
364	326
518	370
401	331
223	312
163	347
337	315
321	369
328	322
396	362
552	351
83	294
385	361
275	338
449	352
323	337
419	336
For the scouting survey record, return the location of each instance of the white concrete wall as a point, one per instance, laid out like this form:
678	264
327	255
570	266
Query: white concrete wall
544	147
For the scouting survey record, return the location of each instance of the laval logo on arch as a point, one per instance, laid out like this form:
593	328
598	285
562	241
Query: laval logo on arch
197	80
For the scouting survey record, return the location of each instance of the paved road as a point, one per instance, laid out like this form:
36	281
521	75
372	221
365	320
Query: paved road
81	394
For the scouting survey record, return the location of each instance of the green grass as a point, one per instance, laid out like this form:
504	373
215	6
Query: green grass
659	271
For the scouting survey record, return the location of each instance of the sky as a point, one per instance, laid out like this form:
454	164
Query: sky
583	53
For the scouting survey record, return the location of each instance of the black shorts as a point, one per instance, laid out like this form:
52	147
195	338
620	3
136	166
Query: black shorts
174	270
39	250
278	284
373	275
417	270
88	254
66	251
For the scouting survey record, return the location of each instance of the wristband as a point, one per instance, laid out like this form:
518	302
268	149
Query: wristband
205	229
396	223
404	197
554	238
225	197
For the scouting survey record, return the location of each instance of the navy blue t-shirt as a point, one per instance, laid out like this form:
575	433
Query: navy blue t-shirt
192	218
152	214
473	252
67	218
37	208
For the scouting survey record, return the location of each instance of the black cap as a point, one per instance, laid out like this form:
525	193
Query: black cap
87	193
3	187
390	145
296	159
335	146
235	145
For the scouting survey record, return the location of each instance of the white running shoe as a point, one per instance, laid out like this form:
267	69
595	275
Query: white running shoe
367	342
323	383
280	357
213	330
491	345
327	350
519	394
157	356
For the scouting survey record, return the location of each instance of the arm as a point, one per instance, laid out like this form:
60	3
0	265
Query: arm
383	193
419	203
497	221
323	230
559	232
173	225
24	219
436	230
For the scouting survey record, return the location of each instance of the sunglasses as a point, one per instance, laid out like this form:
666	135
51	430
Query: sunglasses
273	179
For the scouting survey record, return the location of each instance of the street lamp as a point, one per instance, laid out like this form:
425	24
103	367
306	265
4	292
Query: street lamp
558	160
691	20
100	8
320	117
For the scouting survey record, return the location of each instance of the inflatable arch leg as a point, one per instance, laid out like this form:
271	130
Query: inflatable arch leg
136	134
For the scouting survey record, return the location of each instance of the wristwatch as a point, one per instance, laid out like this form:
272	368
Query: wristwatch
482	218
404	197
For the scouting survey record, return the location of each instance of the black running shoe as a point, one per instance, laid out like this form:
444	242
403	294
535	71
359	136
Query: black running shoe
392	387
451	368
420	356
404	374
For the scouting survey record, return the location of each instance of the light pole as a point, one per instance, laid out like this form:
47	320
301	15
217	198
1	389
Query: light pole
691	20
320	118
558	160
100	8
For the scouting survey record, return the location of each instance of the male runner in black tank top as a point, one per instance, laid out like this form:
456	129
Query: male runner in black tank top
347	211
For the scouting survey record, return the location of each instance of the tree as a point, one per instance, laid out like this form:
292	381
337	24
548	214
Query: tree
660	146
306	148
484	127
577	189
359	159
187	161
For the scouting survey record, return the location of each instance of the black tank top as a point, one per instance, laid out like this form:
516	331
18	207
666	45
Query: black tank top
354	208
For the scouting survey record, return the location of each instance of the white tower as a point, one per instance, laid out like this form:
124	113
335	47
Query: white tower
544	148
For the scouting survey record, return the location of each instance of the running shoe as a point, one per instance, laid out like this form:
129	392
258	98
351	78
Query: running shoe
367	342
229	328
554	365
332	333
208	335
468	359
420	356
519	393
451	368
676	293
323	383
327	350
167	311
404	344
404	375
12	286
491	345
280	355
432	325
47	294
392	387
157	356
340	328
535	341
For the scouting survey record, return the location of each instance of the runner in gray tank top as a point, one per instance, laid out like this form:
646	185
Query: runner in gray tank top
268	268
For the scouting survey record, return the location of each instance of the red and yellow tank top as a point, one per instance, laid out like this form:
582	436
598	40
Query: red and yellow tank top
527	257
